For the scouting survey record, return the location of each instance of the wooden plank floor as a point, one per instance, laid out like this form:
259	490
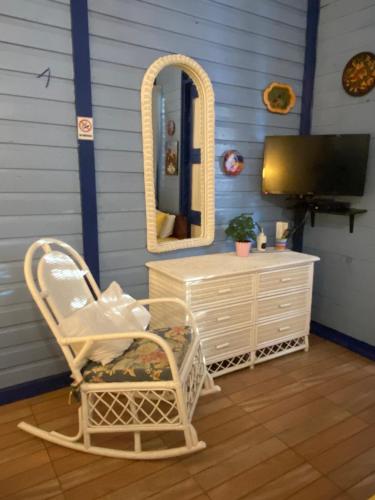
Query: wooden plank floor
299	427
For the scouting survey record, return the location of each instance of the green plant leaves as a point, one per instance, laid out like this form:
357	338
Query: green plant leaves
241	228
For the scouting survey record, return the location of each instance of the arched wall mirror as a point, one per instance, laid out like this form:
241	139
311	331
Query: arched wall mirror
178	149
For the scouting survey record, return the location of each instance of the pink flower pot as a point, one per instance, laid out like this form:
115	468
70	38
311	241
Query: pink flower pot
281	244
243	248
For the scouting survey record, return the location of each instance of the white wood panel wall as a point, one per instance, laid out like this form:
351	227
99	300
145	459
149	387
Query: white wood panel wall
345	277
243	46
39	185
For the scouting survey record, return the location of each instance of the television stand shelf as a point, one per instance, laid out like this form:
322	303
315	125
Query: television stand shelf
349	212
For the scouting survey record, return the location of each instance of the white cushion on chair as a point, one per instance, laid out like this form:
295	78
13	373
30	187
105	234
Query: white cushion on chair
120	304
111	313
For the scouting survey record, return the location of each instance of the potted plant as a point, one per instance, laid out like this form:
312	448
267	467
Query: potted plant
281	243
241	230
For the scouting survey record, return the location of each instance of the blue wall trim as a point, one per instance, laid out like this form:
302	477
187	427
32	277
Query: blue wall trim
312	21
86	154
34	388
351	343
313	9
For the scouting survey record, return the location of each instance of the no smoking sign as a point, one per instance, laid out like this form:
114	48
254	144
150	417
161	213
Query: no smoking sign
85	128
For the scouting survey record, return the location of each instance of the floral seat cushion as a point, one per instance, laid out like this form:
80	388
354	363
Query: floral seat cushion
144	360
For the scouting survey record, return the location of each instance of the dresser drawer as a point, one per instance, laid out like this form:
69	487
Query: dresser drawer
283	304
212	292
275	281
282	328
228	344
229	318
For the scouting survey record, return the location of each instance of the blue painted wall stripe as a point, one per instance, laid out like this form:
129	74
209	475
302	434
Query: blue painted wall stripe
86	154
312	22
34	388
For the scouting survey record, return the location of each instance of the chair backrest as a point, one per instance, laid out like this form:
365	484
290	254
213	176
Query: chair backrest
60	284
63	283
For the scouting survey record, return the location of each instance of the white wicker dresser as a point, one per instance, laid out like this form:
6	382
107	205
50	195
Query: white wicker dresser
248	309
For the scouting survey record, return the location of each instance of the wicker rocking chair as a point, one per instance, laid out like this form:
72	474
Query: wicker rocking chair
62	280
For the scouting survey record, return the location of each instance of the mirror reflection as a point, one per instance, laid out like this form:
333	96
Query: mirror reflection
175	115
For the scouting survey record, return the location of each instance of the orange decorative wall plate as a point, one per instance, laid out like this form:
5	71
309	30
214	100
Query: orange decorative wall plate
358	77
279	97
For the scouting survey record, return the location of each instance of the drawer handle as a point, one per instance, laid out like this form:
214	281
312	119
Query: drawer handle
284	328
223	318
221	346
284	280
224	290
284	306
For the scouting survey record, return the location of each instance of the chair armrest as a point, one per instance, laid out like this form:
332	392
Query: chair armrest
89	340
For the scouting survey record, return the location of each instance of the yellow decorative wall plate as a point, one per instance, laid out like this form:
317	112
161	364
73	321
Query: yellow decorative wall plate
279	97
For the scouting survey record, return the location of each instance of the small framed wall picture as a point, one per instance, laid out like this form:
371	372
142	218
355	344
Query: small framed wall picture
171	158
279	98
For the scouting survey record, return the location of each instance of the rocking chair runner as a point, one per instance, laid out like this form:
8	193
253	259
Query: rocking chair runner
61	282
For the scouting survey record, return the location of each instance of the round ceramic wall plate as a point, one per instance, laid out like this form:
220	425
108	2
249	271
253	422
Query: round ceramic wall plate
358	77
233	163
279	98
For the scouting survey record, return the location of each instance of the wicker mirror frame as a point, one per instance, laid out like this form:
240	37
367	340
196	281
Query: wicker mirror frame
207	146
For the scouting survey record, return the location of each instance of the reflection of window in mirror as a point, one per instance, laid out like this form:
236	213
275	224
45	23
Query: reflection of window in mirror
177	174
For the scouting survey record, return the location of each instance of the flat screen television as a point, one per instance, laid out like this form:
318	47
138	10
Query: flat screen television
315	164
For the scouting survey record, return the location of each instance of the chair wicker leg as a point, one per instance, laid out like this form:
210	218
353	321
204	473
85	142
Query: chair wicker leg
137	442
79	434
209	386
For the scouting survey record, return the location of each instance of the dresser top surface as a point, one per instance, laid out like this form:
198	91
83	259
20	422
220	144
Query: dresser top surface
226	264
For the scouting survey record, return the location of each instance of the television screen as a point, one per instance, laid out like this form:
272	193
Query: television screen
315	164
